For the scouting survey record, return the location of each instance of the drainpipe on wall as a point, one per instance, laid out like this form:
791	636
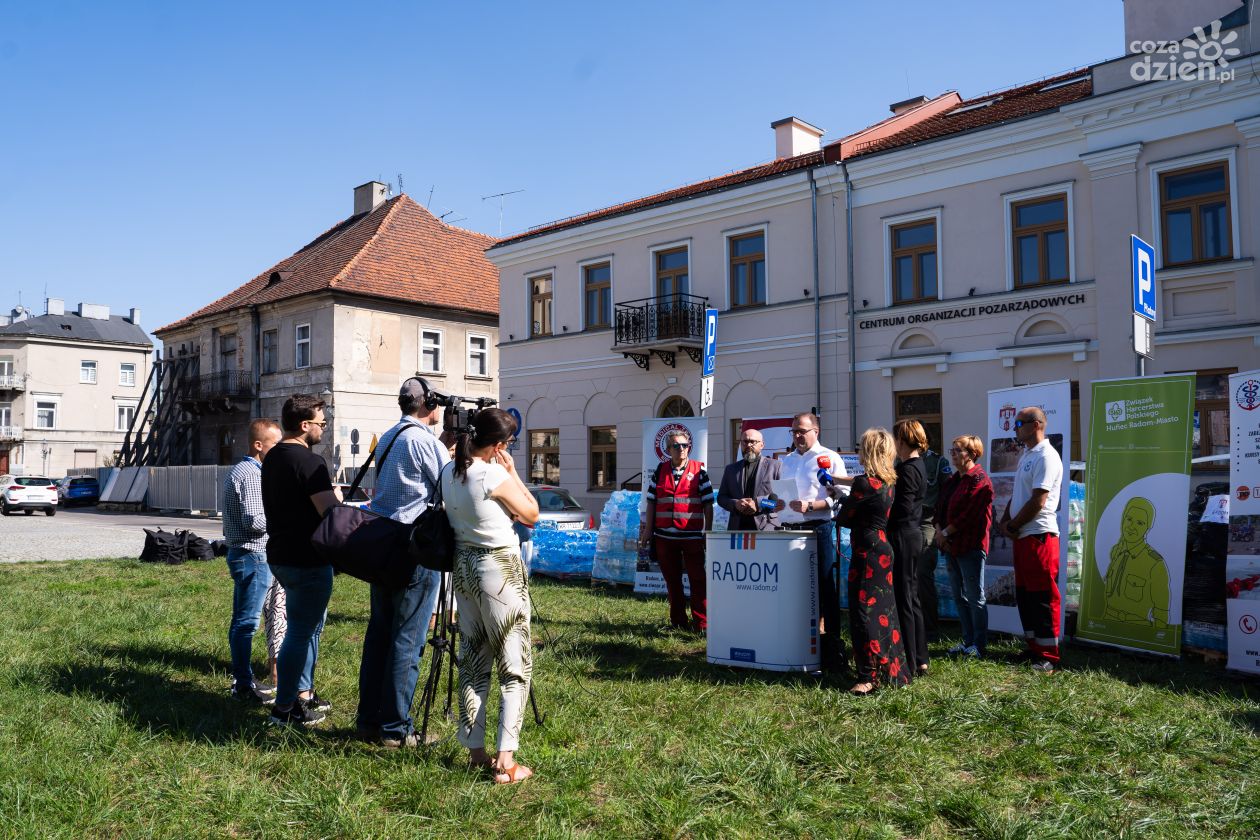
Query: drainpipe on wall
848	252
256	362
813	209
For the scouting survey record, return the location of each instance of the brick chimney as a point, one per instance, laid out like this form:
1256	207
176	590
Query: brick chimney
794	137
369	196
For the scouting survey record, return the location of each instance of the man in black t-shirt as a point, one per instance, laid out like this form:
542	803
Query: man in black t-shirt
296	490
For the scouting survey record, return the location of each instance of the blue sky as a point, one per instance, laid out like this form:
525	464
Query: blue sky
160	154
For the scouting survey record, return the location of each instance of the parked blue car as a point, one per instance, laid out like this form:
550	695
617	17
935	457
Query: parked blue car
78	490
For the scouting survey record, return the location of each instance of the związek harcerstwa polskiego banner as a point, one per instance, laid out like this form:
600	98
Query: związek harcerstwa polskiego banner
1136	487
1242	566
1003	450
647	577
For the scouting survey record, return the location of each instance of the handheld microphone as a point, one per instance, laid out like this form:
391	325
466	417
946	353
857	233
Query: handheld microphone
767	504
824	471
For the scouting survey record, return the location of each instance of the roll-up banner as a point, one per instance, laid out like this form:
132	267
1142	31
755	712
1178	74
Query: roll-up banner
647	576
1136	489
1242	566
1003	451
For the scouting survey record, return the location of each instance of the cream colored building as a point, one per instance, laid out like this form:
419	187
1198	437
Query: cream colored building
387	293
905	270
70	383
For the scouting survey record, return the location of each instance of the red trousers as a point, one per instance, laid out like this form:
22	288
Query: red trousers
1037	593
675	557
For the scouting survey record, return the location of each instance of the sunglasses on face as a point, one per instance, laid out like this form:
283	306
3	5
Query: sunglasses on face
680	446
1021	423
803	431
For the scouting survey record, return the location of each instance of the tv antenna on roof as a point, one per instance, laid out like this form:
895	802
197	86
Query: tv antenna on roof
400	184
500	196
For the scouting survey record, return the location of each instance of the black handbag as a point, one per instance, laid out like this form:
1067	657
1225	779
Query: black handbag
364	544
432	537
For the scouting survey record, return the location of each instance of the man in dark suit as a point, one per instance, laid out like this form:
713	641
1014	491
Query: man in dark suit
746	482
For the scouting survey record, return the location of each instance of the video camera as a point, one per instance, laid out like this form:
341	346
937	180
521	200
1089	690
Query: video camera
461	411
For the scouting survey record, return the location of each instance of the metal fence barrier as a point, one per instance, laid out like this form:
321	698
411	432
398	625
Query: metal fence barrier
186	488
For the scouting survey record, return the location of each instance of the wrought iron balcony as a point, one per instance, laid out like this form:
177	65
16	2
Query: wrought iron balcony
12	382
660	325
229	384
10	433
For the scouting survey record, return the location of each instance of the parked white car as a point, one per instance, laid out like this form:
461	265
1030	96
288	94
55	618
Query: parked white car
27	493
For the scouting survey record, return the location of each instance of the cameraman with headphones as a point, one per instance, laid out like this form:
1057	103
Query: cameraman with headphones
406	480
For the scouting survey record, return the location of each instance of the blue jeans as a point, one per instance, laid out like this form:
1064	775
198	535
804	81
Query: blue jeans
251	577
966	575
307	591
392	647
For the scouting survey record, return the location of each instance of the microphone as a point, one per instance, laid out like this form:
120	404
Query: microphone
824	471
767	504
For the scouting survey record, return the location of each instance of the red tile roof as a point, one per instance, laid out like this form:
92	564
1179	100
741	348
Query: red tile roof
399	251
1013	104
1007	105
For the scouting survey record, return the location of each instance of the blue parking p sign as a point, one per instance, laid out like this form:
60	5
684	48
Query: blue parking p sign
710	342
1143	260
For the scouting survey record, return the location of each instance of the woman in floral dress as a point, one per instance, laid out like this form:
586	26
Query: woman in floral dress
878	650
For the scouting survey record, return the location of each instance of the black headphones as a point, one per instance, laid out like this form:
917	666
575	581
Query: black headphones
431	398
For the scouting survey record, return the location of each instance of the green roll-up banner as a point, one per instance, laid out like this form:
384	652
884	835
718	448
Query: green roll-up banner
1137	488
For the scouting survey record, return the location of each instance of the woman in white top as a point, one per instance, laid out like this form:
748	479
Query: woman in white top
483	496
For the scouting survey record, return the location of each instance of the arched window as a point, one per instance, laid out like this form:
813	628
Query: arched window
676	407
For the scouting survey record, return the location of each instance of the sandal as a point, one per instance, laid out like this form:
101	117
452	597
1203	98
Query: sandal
512	775
863	689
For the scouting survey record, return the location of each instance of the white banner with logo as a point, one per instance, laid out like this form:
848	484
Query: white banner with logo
1002	451
647	576
1242	566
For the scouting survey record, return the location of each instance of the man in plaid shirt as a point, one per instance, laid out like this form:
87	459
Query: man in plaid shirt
245	529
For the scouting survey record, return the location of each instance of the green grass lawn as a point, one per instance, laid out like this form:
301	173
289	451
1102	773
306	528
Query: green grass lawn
115	722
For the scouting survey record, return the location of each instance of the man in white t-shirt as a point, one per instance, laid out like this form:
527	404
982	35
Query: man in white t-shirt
811	511
1035	529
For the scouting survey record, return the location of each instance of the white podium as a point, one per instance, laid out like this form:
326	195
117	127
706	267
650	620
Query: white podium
763	600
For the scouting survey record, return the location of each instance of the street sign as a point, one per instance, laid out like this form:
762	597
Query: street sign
706	392
1142	258
516	418
1142	336
710	342
354	449
354	435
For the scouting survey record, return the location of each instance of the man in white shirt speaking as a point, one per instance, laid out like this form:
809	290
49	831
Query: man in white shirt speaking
811	511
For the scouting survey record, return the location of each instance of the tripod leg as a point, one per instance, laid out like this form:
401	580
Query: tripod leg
539	717
438	643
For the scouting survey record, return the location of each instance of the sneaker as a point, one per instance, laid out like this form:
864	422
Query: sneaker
1044	666
299	714
317	703
391	742
252	696
957	650
972	651
265	689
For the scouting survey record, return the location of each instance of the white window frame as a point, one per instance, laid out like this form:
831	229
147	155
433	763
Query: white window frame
653	250
612	291
440	369
6	414
36	399
122	377
936	214
8	365
297	344
134	405
1226	156
1008	231
727	235
468	361
86	365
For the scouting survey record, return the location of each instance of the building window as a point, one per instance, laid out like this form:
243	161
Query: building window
302	351
6	368
1039	240
540	306
478	355
544	456
924	406
270	349
125	415
45	414
1194	211
1211	416
87	373
431	351
747	254
913	260
671	272
6	415
127	374
227	352
677	407
603	471
597	286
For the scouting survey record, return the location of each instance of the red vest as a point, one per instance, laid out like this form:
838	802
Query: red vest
679	505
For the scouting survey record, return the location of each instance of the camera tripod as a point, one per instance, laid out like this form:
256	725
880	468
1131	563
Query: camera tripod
443	643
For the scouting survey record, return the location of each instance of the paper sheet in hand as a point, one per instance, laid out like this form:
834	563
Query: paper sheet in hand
785	489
